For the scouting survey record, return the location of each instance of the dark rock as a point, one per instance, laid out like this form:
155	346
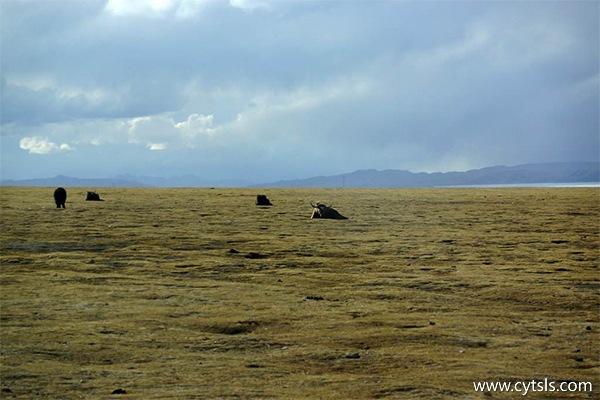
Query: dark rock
119	391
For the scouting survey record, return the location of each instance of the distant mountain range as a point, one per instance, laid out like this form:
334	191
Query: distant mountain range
576	172
68	181
552	173
126	181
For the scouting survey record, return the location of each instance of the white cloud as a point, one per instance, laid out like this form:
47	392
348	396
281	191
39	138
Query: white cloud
156	146
139	7
41	145
148	130
196	124
190	8
249	5
159	132
181	9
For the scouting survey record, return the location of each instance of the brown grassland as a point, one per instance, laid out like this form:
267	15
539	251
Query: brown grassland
200	294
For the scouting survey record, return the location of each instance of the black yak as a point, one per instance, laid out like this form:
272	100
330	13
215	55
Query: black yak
324	211
93	196
60	197
262	200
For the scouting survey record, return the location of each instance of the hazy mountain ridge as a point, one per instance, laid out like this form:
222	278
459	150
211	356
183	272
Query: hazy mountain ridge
497	175
125	181
63	180
369	178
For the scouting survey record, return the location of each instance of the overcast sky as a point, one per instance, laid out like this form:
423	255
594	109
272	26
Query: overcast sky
263	90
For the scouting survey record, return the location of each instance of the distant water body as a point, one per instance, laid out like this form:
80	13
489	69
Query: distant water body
533	185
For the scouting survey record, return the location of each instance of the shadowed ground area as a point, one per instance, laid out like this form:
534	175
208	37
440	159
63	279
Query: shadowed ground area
199	293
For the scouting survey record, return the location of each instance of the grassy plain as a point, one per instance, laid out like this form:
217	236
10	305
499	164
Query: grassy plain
198	293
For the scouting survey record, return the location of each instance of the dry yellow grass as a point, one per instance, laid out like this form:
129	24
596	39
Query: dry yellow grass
198	293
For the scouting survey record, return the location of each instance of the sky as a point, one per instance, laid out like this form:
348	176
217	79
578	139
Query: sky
263	90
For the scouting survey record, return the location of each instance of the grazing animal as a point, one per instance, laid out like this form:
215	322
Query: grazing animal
93	196
323	211
60	197
262	200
